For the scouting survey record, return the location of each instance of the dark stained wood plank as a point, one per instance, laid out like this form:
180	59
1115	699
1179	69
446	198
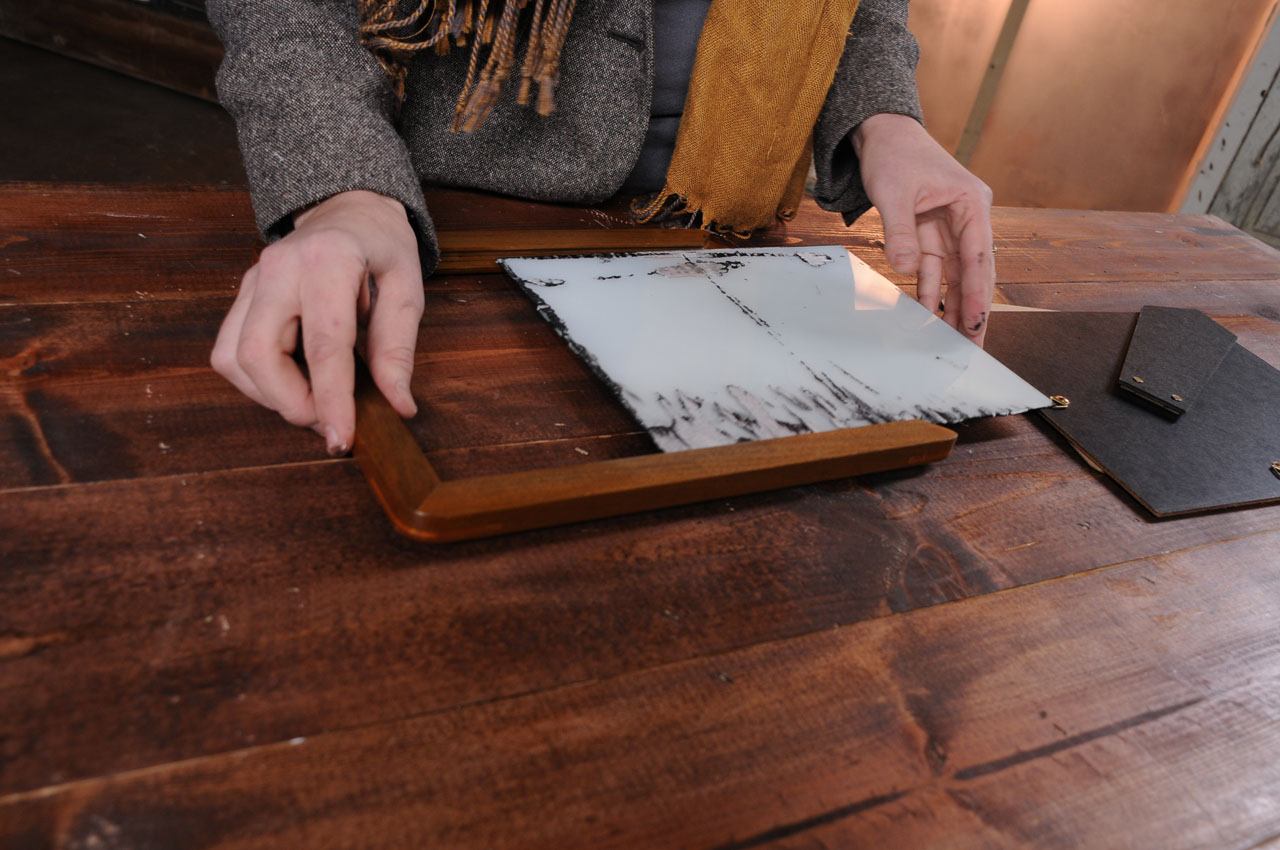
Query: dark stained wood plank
1051	515
1258	335
1054	246
1035	245
105	390
179	51
71	121
210	610
78	242
1131	707
1260	298
108	390
120	590
420	628
1070	245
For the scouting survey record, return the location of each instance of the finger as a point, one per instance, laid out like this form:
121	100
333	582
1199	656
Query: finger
329	339
932	263
223	357
977	274
953	270
938	249
265	350
393	335
368	297
901	247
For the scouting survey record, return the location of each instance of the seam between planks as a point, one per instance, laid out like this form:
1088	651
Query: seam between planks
773	834
231	470
849	810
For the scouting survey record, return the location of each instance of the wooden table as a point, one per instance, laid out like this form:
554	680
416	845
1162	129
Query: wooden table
210	636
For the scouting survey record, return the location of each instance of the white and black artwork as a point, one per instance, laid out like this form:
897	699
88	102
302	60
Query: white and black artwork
715	347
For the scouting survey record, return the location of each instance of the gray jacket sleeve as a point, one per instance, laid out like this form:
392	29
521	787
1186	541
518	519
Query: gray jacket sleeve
876	74
312	110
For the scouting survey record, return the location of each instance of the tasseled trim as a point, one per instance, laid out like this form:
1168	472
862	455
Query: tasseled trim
667	206
394	40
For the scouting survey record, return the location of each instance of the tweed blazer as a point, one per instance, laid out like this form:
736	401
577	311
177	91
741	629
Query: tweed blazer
313	110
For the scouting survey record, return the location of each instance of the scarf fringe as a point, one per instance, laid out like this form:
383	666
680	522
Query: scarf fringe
394	39
667	205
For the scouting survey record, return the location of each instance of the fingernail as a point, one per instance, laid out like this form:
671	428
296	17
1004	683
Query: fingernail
402	389
336	446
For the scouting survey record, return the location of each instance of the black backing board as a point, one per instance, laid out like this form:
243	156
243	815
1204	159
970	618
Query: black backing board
1217	454
1172	356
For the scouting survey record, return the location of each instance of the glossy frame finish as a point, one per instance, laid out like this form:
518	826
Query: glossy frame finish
424	507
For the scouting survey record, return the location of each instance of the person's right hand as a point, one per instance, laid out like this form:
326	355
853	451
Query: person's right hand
319	278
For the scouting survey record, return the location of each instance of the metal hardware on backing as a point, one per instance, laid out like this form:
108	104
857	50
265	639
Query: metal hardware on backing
1175	397
1275	468
1138	380
1060	402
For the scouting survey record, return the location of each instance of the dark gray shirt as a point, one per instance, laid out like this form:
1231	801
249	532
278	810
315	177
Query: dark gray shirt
677	24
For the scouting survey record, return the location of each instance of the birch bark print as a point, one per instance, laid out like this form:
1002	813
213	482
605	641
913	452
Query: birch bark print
708	348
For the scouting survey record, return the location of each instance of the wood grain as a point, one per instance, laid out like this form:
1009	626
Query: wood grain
957	41
112	390
425	508
173	621
560	606
178	51
80	242
478	251
306	592
891	731
986	94
1237	179
1107	105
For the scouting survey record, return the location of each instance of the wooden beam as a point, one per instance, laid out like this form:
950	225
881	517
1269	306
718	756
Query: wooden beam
991	80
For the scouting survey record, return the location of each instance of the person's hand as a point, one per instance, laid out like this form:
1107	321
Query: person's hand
937	218
352	255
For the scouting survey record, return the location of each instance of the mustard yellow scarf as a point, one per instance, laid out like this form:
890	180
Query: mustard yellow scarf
760	78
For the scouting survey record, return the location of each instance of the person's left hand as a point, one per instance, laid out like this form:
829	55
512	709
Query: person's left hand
937	218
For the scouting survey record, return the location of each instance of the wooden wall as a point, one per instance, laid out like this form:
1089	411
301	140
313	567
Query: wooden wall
956	40
1239	178
1104	104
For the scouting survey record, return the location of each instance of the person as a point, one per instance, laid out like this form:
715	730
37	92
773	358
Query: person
700	102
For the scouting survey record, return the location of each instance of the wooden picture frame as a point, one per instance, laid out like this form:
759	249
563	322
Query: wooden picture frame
424	507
